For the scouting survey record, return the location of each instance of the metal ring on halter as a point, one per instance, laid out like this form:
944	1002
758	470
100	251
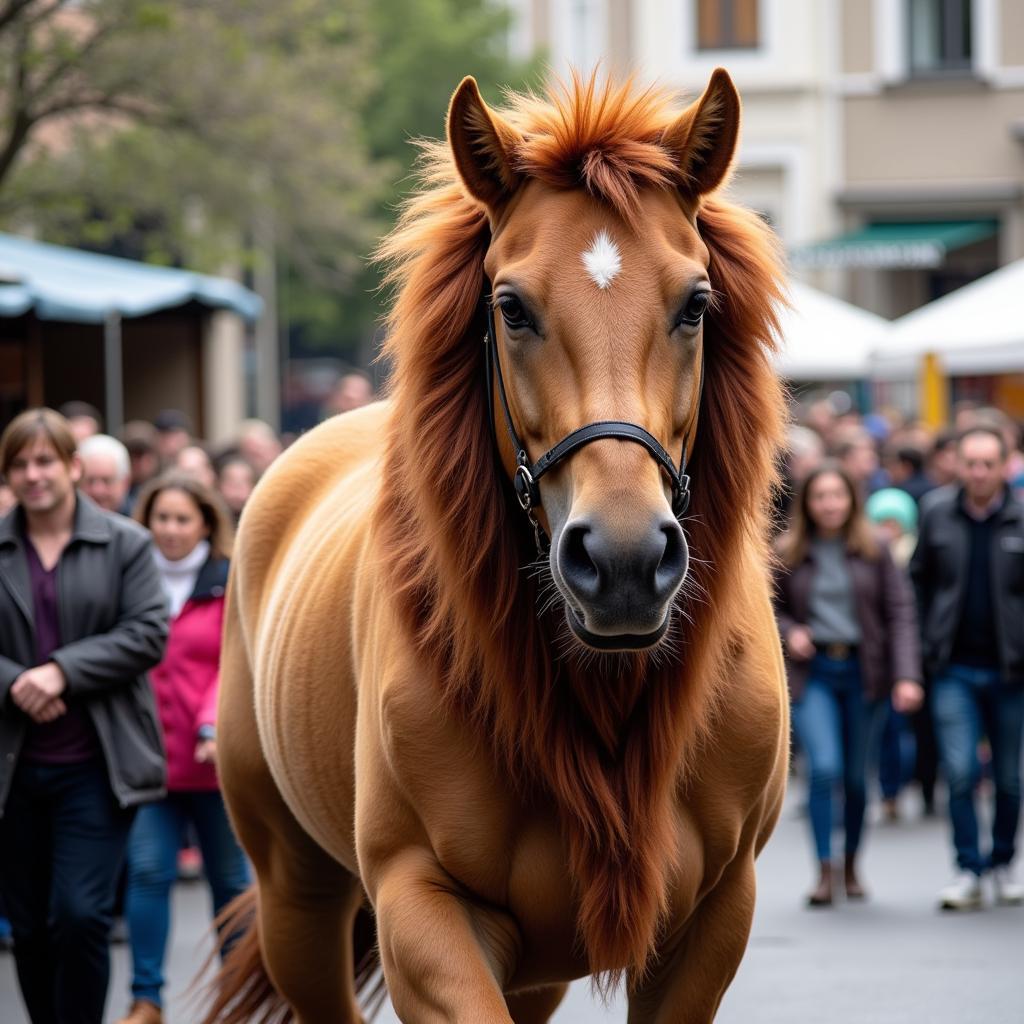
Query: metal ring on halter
524	486
681	498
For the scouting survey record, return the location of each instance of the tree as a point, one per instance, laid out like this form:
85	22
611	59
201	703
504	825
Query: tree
421	51
174	126
181	130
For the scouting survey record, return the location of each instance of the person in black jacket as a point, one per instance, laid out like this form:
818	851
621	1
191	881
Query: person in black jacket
968	572
82	617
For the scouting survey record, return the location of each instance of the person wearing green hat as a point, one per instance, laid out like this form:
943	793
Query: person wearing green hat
894	514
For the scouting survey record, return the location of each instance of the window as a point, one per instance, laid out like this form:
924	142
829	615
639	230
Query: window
727	24
940	36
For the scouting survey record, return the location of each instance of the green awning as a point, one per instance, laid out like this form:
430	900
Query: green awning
896	245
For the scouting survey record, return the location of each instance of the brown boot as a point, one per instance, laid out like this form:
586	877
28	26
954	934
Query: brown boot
143	1012
822	894
854	890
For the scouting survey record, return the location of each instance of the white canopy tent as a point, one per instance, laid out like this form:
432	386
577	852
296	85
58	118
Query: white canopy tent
825	339
978	329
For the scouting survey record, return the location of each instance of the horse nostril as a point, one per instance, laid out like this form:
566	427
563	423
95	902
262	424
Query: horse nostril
578	567
672	566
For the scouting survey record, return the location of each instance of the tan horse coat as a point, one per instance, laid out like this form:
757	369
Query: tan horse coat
397	719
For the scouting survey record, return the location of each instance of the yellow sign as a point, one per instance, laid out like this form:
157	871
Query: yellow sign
934	392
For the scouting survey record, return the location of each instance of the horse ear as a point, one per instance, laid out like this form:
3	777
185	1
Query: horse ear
703	138
482	145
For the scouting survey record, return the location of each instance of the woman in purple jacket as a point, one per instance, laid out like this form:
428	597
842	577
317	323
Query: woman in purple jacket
846	617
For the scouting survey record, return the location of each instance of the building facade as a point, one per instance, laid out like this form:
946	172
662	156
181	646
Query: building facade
932	113
777	52
883	139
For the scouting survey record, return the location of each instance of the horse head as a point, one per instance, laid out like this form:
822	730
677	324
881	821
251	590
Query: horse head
598	287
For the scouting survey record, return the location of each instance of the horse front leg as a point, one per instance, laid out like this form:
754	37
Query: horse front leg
445	959
700	960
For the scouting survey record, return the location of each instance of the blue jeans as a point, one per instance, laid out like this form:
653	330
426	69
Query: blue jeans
967	703
62	844
152	871
833	722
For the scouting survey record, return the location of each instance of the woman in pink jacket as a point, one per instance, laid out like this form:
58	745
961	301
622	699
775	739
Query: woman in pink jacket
192	536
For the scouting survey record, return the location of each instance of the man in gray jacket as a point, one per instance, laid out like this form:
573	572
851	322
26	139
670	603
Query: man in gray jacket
82	617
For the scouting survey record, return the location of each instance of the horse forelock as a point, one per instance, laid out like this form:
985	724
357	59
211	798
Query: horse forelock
602	136
607	738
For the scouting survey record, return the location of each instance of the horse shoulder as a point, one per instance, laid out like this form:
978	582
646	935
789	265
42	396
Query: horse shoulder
432	813
302	550
431	801
294	490
423	776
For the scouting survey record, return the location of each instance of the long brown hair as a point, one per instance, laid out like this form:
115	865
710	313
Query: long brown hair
610	741
211	508
857	532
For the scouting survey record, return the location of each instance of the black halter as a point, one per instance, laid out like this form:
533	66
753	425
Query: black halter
527	476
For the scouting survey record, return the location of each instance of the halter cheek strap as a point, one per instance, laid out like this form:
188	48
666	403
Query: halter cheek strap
527	475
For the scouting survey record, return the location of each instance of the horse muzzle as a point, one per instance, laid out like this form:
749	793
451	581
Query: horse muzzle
619	591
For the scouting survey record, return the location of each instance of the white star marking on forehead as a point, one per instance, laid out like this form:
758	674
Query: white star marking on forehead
602	260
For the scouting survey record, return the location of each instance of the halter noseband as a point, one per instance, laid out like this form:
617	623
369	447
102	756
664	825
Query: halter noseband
525	481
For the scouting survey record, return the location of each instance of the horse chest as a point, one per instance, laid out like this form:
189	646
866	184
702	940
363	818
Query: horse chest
533	886
505	855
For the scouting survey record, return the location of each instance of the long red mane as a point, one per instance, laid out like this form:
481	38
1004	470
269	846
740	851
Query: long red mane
607	739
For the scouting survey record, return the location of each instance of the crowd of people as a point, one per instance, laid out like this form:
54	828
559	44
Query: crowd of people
114	558
899	598
900	604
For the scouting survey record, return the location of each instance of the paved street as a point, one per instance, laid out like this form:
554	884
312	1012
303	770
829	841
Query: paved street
895	960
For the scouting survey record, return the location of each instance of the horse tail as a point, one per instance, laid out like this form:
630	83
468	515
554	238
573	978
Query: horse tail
242	990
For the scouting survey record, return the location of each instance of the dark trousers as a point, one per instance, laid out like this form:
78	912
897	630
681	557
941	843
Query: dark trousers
926	766
896	754
62	844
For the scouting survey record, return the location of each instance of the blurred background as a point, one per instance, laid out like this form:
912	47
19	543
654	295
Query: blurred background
246	157
190	193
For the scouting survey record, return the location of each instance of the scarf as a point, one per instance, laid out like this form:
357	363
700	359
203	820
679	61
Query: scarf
179	578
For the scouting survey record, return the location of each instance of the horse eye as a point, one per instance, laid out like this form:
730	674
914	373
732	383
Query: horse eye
514	313
694	309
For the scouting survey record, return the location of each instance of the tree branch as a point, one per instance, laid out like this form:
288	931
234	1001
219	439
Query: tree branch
21	121
10	11
110	102
64	67
45	13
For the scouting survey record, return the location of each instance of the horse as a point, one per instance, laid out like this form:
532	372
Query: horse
502	700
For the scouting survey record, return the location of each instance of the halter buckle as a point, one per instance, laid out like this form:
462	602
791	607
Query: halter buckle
681	502
525	487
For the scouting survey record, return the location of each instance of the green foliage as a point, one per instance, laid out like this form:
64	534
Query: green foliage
191	131
216	133
422	49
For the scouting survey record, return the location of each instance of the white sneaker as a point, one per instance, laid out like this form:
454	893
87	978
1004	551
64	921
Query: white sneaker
963	893
1004	889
